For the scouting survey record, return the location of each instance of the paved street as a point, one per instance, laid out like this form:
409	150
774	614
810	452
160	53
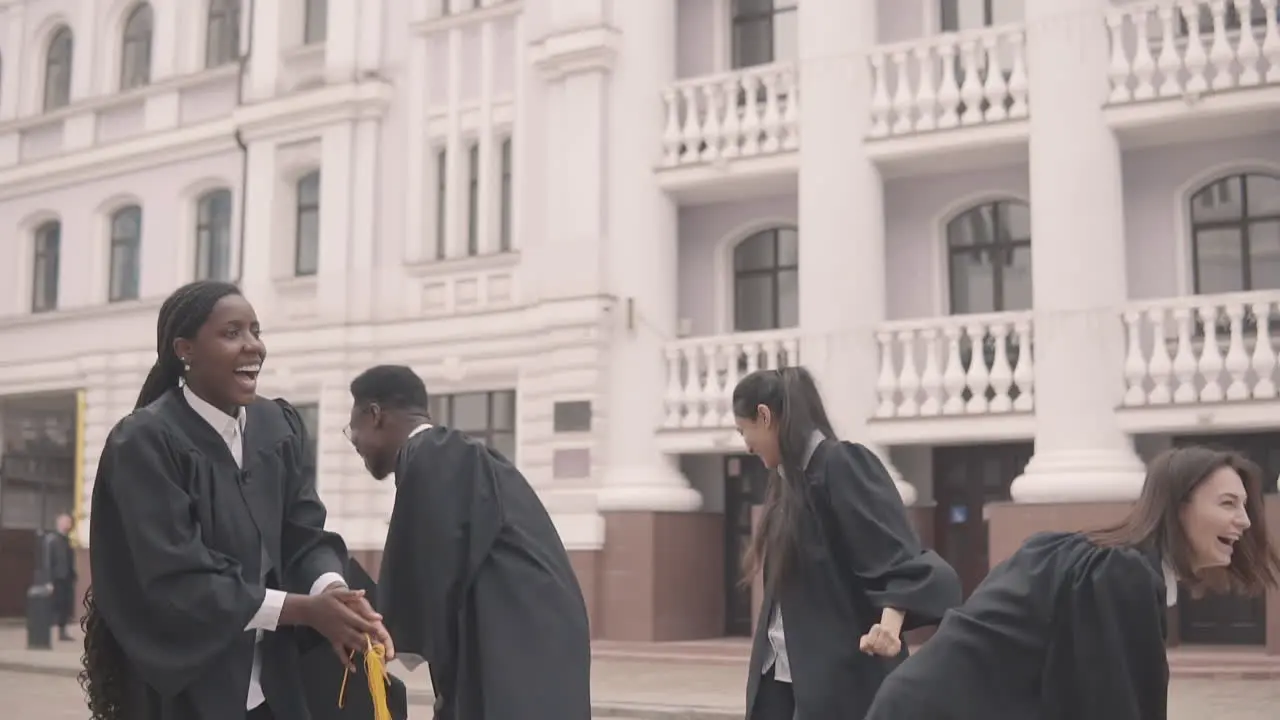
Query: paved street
55	697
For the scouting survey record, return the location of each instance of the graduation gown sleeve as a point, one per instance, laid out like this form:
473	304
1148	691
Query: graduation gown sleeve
174	605
874	539
1106	655
307	549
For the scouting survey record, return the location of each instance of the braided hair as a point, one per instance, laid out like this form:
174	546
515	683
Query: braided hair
181	315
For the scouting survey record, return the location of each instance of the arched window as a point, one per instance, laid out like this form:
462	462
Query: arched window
764	31
222	33
135	47
1235	234
315	24
766	281
57	69
126	258
306	258
213	235
989	258
44	267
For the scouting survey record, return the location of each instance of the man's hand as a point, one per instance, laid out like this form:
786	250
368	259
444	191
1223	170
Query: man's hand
362	607
332	614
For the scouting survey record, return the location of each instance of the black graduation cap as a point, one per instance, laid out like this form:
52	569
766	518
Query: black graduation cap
322	673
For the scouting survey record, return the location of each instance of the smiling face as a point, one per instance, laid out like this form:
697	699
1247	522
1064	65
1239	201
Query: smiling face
761	436
1214	518
225	355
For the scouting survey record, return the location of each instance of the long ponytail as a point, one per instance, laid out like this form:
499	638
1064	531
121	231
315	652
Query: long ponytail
104	663
793	400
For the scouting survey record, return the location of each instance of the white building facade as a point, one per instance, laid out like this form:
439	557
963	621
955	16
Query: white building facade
1023	244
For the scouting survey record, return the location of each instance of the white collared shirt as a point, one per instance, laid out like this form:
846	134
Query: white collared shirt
267	619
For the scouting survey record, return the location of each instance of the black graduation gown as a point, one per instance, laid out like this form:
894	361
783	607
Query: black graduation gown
323	674
857	555
176	549
1063	630
476	581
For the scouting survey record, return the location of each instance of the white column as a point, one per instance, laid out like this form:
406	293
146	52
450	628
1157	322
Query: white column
342	40
11	72
841	204
361	255
455	243
257	202
640	247
84	57
264	65
1078	263
336	230
418	159
164	50
487	239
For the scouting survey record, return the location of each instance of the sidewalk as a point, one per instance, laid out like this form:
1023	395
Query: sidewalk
635	688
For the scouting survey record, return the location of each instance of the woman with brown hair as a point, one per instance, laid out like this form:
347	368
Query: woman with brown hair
1073	625
844	573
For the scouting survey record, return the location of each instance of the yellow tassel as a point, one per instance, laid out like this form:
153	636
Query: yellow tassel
375	666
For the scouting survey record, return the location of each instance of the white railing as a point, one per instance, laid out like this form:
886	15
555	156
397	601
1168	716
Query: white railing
949	80
959	365
1201	349
1170	48
744	113
702	372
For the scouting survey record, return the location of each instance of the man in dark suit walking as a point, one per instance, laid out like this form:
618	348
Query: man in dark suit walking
59	568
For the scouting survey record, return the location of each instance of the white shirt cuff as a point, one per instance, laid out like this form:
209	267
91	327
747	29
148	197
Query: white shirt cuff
268	615
325	581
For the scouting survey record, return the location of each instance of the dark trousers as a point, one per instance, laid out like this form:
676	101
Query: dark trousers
64	600
262	712
774	700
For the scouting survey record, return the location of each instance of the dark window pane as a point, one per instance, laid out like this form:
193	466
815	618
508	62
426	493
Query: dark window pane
754	303
1016	279
756	252
1264	195
1219	263
1017	222
504	411
1221	200
973	282
1264	255
438	406
505	443
788	298
788	247
471	412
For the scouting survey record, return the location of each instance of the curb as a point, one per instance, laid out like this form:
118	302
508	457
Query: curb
629	711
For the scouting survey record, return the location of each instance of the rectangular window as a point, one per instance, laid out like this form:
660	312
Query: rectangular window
473	200
486	416
316	24
504	207
306	258
442	206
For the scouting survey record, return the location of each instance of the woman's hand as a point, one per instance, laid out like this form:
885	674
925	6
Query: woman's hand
885	637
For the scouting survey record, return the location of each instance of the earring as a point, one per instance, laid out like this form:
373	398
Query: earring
186	366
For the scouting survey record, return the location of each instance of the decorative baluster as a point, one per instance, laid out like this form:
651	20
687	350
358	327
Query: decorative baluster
792	349
711	392
1271	42
995	89
880	103
971	88
1001	378
1144	66
692	125
791	116
1024	375
948	90
909	378
887	383
1194	56
1247	51
731	356
773	354
1264	354
675	408
1237	361
1119	70
1018	77
976	377
772	124
953	378
671	135
731	125
1135	365
751	351
1221	53
1210	356
931	378
1184	360
1170	62
901	93
712	135
692	386
926	93
751	115
1161	366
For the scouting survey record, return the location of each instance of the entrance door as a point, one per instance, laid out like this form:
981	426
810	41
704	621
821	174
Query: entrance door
965	479
1229	619
744	482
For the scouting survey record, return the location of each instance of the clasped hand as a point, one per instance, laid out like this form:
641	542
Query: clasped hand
345	617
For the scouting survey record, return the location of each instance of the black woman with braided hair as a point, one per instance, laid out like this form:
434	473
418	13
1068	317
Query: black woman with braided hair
207	547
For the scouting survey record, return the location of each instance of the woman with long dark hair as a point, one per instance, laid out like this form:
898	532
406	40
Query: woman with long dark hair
844	573
1073	624
207	538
